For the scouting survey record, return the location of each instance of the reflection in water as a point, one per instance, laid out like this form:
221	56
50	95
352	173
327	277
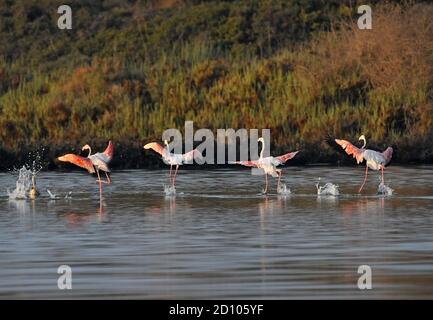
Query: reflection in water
74	219
21	206
219	238
372	205
328	199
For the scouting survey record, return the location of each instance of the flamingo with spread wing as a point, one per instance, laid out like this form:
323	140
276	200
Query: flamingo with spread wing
269	164
93	163
375	160
173	159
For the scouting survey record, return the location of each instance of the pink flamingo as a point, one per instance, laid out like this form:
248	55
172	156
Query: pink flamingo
173	159
269	164
374	160
93	162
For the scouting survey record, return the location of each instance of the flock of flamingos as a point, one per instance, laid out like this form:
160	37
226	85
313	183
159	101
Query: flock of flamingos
94	163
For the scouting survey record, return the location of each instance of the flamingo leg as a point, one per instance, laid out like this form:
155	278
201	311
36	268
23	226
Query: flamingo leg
106	182
280	173
169	177
174	177
365	179
100	187
383	178
266	185
108	178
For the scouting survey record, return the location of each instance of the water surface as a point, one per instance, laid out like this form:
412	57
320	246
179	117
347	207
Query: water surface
219	237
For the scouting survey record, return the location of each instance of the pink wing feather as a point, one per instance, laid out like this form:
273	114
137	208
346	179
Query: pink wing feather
246	163
109	151
191	155
79	161
351	150
283	158
387	154
155	146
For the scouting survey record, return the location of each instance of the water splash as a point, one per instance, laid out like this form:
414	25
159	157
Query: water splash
329	189
55	197
385	190
283	190
52	196
23	184
169	190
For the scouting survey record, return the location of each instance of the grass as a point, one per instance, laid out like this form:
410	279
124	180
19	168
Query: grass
336	80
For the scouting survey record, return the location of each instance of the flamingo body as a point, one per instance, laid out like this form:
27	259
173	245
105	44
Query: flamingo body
93	163
269	164
375	160
173	159
101	159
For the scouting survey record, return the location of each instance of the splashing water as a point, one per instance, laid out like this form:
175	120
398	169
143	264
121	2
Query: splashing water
384	190
25	175
22	185
169	190
283	190
52	196
329	189
55	197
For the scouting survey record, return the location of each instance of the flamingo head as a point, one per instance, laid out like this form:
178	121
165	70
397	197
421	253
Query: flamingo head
261	140
362	138
166	142
86	147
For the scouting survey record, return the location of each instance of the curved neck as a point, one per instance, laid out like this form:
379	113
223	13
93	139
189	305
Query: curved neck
365	143
263	149
90	152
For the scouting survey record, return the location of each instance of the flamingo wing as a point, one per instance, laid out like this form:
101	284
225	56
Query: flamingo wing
79	161
191	155
109	151
247	163
155	146
283	158
351	150
387	154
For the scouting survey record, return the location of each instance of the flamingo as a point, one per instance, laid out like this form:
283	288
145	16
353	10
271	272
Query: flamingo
375	160
93	162
173	159
269	164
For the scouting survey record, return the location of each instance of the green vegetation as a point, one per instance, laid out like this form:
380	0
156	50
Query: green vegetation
130	69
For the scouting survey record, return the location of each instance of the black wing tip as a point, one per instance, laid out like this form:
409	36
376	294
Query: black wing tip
330	140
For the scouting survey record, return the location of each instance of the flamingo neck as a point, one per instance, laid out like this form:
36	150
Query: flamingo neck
90	152
263	149
365	143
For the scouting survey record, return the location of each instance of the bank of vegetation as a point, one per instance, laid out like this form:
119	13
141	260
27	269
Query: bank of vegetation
128	70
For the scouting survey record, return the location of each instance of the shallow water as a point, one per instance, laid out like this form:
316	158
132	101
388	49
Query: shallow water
219	237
